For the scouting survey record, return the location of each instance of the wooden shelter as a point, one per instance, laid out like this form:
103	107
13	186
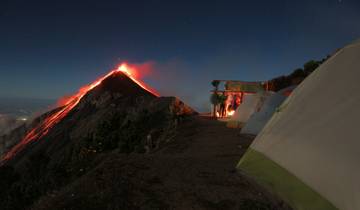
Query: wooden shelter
235	92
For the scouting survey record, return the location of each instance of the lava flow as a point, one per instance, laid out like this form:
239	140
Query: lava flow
67	105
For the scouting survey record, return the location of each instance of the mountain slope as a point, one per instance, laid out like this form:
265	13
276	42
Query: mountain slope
118	115
193	171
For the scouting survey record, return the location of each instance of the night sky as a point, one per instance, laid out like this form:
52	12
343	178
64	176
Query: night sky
51	48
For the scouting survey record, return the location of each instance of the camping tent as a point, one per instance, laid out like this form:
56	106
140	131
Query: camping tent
308	153
258	120
252	103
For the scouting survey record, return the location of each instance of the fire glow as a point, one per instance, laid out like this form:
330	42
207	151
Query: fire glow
66	105
231	113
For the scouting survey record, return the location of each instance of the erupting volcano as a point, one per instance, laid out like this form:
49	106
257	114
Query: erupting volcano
68	105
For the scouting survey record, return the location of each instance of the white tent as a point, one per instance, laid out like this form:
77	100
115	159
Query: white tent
309	152
251	103
258	119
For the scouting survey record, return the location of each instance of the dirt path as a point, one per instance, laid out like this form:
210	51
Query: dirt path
196	171
203	160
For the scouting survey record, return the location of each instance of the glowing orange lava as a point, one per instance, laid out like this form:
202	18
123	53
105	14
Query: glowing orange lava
67	105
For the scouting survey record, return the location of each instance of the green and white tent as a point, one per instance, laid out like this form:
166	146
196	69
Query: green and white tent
259	119
309	152
252	103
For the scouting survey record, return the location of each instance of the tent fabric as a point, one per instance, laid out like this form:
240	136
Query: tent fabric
258	120
252	103
315	134
296	193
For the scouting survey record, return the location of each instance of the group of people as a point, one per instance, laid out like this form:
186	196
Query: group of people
229	105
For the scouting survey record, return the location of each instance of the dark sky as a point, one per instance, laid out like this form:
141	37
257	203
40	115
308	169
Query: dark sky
50	48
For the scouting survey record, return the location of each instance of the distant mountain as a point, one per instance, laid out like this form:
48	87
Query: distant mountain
61	146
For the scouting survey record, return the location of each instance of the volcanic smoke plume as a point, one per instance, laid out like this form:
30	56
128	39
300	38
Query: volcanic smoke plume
67	105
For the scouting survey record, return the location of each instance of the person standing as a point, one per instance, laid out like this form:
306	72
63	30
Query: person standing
222	108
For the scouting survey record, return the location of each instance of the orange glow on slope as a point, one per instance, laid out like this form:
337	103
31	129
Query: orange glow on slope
68	104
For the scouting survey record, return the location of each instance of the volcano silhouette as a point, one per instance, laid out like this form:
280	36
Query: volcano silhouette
118	115
115	89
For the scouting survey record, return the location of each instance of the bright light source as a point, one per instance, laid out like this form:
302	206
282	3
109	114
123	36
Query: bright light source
231	113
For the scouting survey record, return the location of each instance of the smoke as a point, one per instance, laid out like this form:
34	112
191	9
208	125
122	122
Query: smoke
172	78
143	70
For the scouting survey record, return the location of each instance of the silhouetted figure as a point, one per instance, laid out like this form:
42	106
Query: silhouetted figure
222	109
236	102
